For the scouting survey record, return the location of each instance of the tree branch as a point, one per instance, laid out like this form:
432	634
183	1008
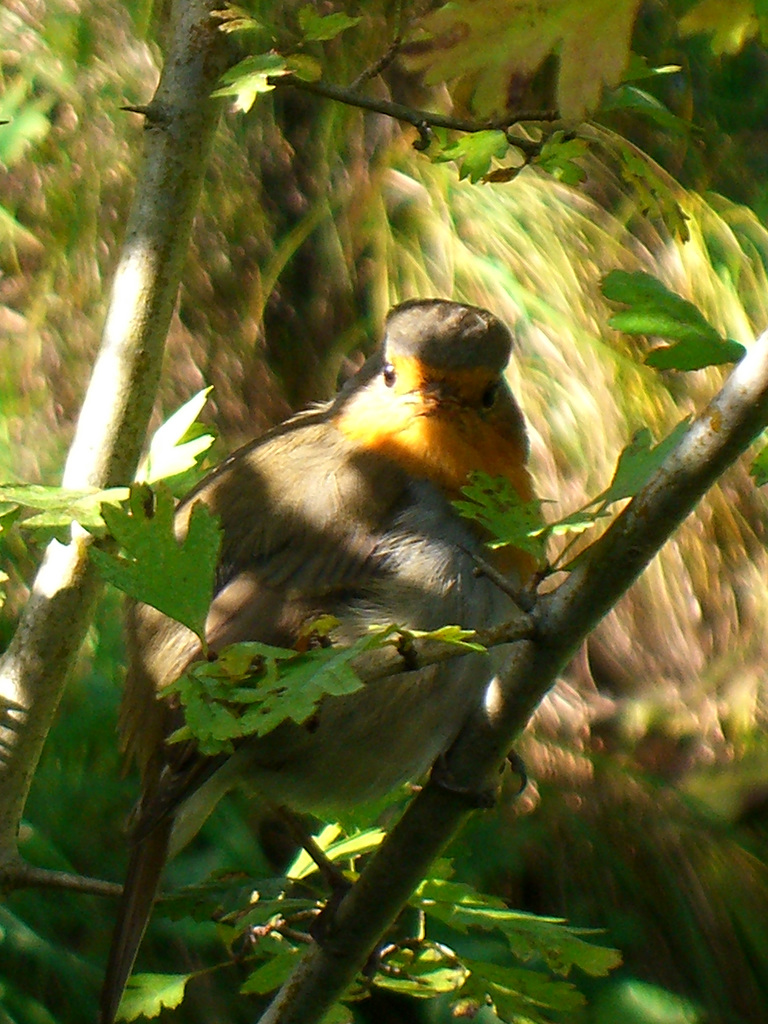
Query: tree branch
562	621
420	119
120	396
25	876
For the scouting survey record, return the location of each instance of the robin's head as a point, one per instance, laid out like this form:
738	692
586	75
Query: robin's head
434	398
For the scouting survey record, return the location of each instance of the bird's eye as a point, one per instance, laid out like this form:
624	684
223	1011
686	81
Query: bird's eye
389	374
489	395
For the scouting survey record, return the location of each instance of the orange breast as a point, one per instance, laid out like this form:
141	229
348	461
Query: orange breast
445	443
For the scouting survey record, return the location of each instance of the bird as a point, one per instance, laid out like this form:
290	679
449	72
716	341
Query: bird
343	510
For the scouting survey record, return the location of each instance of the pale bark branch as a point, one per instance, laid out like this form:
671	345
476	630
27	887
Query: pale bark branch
120	396
562	620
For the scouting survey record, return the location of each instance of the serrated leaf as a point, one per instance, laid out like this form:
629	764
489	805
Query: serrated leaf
251	688
250	77
495	504
177	445
494	42
147	994
474	152
516	990
558	945
321	27
176	577
638	461
59	507
558	156
653	195
446	634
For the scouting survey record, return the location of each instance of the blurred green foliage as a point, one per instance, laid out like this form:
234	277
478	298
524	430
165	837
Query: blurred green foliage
651	815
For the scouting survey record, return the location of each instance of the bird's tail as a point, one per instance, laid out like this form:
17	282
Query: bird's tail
145	867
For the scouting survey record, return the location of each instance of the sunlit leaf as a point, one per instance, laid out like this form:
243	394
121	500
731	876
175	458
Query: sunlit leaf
493	42
495	504
638	461
147	994
474	152
176	577
250	77
653	309
57	507
320	27
251	688
638	69
178	444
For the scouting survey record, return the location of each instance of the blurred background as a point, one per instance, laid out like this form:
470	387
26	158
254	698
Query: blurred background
647	814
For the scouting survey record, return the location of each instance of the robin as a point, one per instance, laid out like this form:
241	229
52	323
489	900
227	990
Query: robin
343	510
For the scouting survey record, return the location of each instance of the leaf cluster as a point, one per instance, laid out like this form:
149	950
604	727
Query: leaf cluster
532	956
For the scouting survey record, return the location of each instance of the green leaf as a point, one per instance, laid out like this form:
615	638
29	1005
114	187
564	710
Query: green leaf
575	522
251	688
250	77
427	971
638	461
346	848
147	994
549	939
557	158
338	1014
176	577
495	504
454	635
637	101
58	507
271	974
652	192
303	66
759	467
474	153
638	69
236	19
695	354
518	991
177	446
655	310
320	27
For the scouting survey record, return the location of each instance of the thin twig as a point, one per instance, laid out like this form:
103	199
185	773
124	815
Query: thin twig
378	66
418	118
21	875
